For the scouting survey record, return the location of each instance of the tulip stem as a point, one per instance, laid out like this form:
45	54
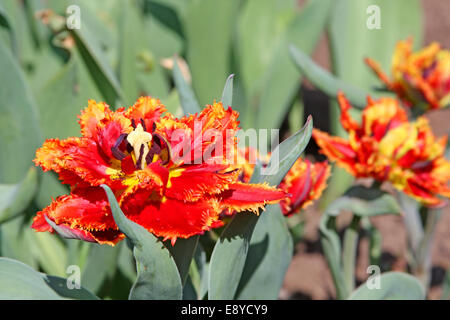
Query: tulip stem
423	254
350	244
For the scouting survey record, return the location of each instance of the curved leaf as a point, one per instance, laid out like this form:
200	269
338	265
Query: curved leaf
187	98
19	131
325	81
227	94
269	255
392	286
19	281
182	252
158	277
14	198
90	49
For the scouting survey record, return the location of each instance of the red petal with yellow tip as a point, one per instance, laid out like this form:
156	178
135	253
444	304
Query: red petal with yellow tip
252	197
76	160
146	108
195	181
86	211
305	182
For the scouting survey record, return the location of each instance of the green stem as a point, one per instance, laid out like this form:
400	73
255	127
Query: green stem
423	256
349	253
331	249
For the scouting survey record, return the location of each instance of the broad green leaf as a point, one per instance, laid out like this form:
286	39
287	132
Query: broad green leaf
182	252
392	286
351	41
260	27
88	44
126	262
269	255
19	131
5	23
61	99
187	98
17	240
208	27
325	81
100	266
227	94
14	198
163	28
281	81
50	253
24	48
129	47
139	67
21	282
230	252
158	276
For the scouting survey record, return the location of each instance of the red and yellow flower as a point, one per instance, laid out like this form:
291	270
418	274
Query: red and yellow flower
304	182
387	147
420	79
154	165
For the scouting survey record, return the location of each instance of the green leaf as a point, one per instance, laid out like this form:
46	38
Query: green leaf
130	45
5	23
286	153
14	198
50	253
209	45
325	81
281	81
227	94
331	245
100	266
365	202
158	276
17	241
350	42
199	272
393	286
269	255
19	131
89	46
261	25
230	252
182	252
19	281
187	98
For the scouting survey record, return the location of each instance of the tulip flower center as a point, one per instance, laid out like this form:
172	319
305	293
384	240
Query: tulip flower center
143	146
139	140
